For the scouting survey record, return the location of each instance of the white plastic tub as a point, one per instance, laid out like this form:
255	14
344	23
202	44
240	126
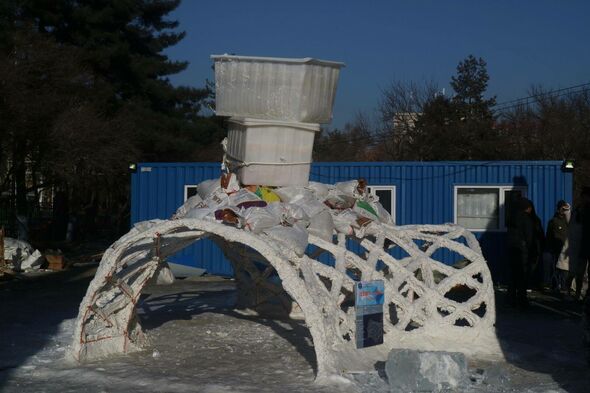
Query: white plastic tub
270	153
299	90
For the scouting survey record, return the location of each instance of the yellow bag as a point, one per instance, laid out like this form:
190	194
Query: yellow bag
267	194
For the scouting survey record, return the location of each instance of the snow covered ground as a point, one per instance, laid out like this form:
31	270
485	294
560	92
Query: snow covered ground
200	344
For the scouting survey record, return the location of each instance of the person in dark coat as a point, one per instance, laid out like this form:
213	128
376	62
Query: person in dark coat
580	247
535	257
557	236
521	251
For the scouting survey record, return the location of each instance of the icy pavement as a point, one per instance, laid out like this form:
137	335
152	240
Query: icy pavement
200	344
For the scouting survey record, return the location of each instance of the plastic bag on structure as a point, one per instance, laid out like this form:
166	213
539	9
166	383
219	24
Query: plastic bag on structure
320	190
258	219
293	214
217	198
347	187
292	194
289	213
294	238
243	196
338	201
200	213
163	275
355	188
208	187
364	209
365	227
322	226
229	183
344	221
383	214
267	194
311	207
193	202
229	215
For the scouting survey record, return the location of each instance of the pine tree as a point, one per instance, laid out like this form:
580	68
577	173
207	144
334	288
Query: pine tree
122	42
470	85
474	129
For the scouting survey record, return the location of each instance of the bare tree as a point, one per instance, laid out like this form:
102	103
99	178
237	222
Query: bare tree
549	125
400	106
353	143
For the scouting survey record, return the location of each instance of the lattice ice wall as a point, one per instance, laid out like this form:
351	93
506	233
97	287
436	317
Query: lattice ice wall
428	303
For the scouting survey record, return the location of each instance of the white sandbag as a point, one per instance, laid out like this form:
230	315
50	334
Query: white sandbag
243	196
233	185
347	187
32	262
217	198
310	206
201	213
355	189
289	213
369	228
17	250
193	202
320	190
345	221
163	275
339	201
322	226
208	187
383	214
292	194
294	238
366	209
257	219
293	214
231	215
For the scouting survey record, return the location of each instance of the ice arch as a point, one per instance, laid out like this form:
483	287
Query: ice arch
429	305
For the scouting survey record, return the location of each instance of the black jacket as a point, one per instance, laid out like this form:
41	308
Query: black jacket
521	232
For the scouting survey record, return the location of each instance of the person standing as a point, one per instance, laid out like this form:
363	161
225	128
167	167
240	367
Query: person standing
579	243
535	257
557	235
521	251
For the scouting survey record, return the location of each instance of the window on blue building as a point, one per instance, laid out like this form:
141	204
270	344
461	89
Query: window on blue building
189	191
386	196
485	208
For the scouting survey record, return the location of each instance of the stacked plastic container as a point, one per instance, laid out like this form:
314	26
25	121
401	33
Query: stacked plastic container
275	106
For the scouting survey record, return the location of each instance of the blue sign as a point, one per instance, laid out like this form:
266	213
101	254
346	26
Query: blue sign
369	299
369	293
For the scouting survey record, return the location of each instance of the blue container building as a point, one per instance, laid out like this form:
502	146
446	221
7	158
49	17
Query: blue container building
474	194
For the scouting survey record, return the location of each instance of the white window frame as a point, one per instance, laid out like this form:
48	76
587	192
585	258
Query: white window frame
501	203
186	187
372	189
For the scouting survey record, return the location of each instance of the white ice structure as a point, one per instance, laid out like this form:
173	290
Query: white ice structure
428	305
276	248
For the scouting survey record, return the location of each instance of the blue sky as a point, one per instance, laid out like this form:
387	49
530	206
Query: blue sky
523	42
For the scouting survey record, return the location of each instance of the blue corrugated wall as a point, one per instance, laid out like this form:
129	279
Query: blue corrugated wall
425	194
